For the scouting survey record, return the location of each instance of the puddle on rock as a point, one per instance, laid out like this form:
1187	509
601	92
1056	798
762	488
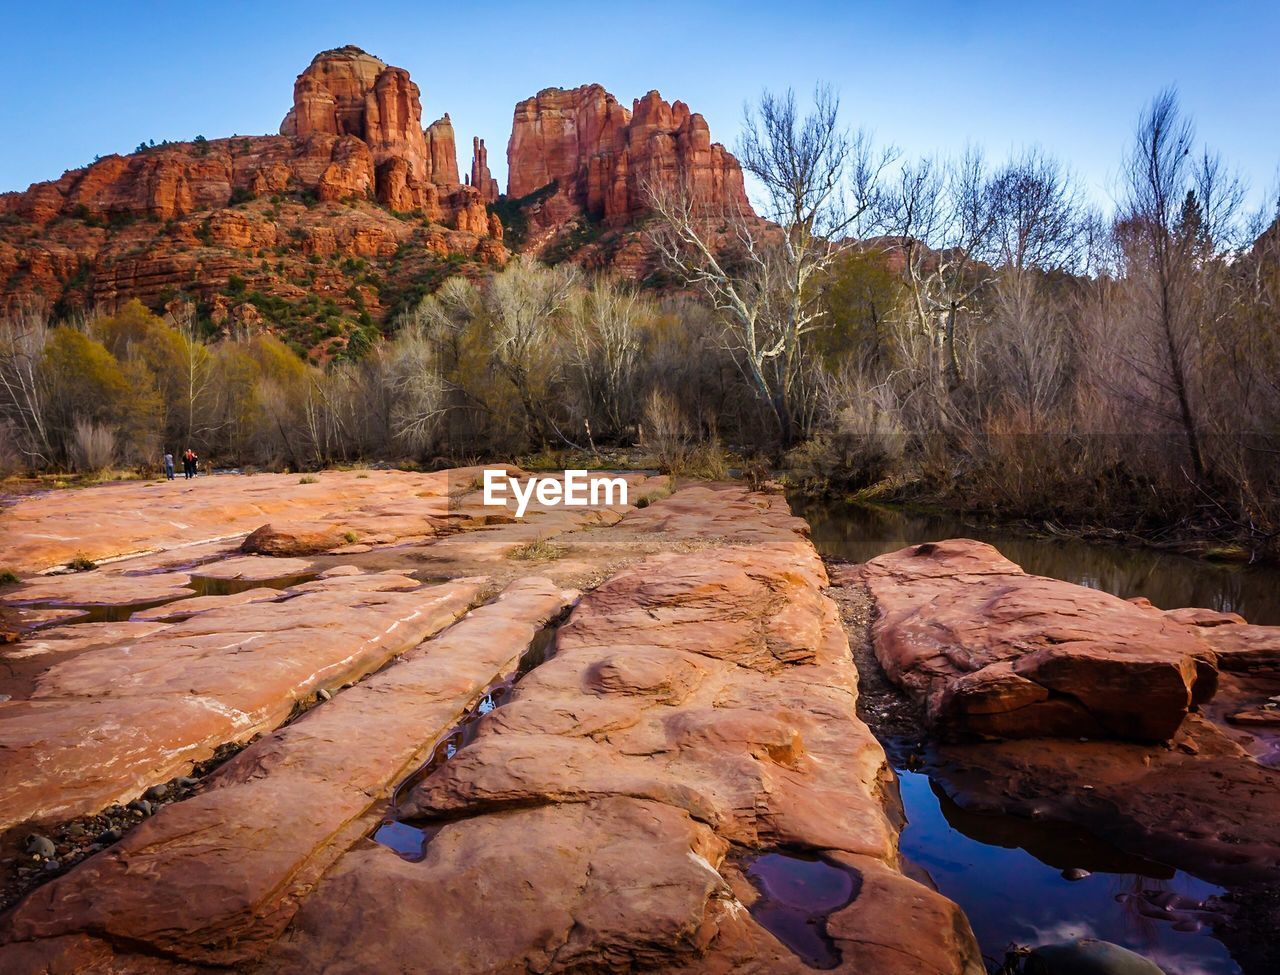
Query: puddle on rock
411	841
798	892
94	612
207	586
1007	873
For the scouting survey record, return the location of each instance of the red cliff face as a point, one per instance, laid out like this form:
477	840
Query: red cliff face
603	157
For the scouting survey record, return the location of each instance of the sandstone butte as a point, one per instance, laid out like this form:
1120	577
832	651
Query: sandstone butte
579	154
188	215
696	713
353	180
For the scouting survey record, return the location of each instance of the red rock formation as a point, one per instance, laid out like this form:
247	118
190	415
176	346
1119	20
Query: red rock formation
442	153
602	157
180	218
992	651
481	178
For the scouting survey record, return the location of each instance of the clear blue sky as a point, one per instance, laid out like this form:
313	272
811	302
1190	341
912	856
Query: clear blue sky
92	78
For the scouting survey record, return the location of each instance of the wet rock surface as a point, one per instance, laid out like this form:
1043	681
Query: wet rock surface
695	716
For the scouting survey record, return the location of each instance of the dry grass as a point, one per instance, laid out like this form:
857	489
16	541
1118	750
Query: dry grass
539	550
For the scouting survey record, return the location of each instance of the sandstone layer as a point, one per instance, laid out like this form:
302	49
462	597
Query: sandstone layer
992	651
230	863
127	717
699	710
48	530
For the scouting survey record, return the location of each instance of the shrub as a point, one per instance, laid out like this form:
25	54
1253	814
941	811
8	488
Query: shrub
93	446
82	563
308	479
9	578
864	449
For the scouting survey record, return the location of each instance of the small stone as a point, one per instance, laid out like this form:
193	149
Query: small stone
186	782
156	791
109	836
51	865
325	694
41	846
142	806
1075	873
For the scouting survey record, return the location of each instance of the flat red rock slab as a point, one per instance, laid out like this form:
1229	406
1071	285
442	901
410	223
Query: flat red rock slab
135	517
103	726
995	652
227	867
184	609
101	588
696	700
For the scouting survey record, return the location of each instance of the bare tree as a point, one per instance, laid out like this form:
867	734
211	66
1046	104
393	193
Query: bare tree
818	185
605	325
23	396
197	378
523	305
1179	213
940	216
1037	224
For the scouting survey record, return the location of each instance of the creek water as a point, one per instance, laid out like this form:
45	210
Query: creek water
1010	874
857	533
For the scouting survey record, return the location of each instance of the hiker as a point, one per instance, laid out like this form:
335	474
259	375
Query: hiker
189	464
168	466
195	463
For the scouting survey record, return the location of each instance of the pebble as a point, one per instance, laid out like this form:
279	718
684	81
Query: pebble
325	693
41	846
1075	873
108	836
186	782
156	791
52	865
142	806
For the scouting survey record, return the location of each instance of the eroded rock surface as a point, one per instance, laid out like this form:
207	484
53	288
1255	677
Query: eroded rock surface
990	650
698	702
698	709
124	717
230	864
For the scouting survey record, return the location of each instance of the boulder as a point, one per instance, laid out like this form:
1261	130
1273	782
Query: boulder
992	651
289	539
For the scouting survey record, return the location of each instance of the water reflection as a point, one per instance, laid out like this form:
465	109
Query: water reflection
858	533
1006	873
